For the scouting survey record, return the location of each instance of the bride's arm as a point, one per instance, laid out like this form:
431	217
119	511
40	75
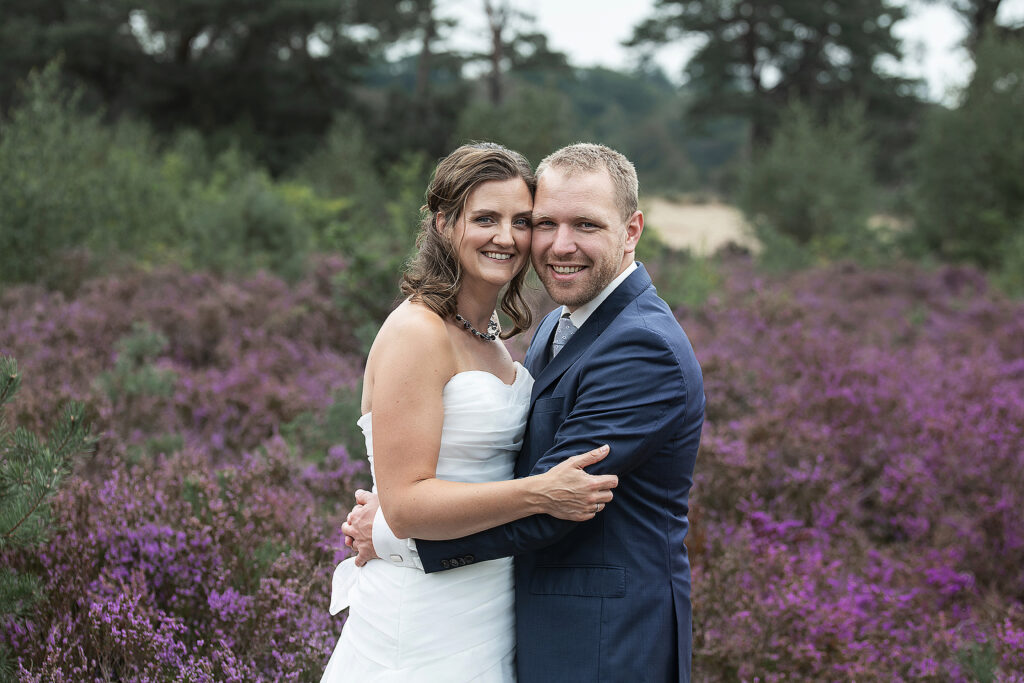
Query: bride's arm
412	363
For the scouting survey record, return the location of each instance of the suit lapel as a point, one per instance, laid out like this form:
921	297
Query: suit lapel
537	354
598	321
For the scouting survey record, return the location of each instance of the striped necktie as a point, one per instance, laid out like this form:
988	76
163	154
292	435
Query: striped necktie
565	330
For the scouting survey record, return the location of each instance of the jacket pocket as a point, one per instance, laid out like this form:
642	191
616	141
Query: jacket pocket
548	405
593	582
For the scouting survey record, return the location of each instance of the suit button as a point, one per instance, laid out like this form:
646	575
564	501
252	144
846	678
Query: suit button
445	564
469	559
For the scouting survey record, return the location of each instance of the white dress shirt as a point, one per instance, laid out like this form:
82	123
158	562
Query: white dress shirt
402	552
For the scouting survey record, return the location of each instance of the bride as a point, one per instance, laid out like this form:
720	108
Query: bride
445	411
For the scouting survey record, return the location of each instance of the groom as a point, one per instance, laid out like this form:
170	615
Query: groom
607	599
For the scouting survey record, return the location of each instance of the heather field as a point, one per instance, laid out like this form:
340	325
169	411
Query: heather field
856	514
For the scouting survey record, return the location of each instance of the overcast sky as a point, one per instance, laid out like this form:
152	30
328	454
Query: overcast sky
591	32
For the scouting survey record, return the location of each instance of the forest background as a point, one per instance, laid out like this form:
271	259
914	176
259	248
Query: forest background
204	207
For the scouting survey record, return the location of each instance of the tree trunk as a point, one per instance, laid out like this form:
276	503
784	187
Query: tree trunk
497	18
423	65
983	18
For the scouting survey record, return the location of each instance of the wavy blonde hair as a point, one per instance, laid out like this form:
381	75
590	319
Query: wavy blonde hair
433	276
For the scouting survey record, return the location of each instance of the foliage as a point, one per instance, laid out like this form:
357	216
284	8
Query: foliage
1010	278
241	220
812	185
682	279
201	540
187	571
970	181
860	464
854	516
376	237
533	120
267	72
636	113
31	473
755	57
70	183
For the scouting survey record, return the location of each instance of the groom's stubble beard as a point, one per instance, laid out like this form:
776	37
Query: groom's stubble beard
599	274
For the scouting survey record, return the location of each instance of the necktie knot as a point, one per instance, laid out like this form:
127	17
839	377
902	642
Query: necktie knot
563	332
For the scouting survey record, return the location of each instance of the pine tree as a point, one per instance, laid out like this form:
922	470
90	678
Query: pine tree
31	471
756	57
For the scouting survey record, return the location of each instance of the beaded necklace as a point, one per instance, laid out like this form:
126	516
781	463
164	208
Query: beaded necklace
492	327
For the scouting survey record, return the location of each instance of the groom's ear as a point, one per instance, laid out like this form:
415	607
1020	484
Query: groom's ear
634	228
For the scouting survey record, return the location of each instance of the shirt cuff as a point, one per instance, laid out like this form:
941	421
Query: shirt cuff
400	552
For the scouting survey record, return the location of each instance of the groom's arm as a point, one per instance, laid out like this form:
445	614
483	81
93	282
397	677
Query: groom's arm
632	400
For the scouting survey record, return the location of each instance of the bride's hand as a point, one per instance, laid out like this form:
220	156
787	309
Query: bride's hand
567	492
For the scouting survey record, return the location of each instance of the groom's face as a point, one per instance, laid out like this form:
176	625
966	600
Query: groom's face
581	241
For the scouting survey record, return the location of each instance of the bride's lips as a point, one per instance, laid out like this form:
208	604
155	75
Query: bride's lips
498	256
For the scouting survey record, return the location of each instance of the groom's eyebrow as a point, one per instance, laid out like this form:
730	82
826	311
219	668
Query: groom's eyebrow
580	218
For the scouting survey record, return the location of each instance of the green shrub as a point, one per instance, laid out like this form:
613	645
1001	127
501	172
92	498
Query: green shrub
31	471
681	278
138	389
812	186
242	221
345	165
1010	276
376	235
67	181
969	195
532	120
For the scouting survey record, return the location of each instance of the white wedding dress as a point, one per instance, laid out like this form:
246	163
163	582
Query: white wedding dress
454	625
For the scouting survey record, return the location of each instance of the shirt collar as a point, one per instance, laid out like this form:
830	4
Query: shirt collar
580	315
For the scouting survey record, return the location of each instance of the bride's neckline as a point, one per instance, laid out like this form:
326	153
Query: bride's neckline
515	364
515	380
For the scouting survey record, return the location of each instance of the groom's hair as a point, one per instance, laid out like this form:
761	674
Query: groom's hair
587	157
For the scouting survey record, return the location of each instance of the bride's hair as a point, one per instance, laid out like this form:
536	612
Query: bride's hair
434	275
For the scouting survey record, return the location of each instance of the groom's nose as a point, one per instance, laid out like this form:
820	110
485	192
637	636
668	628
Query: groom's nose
564	240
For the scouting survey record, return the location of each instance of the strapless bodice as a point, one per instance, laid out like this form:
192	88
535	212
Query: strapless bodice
484	423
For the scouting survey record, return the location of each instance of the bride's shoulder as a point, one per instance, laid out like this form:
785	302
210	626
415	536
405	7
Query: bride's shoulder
413	331
413	318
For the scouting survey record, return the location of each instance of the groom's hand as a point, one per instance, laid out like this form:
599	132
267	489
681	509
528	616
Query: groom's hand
358	527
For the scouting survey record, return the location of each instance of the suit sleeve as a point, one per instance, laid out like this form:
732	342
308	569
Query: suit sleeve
631	399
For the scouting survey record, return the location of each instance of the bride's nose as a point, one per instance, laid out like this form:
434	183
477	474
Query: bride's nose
503	236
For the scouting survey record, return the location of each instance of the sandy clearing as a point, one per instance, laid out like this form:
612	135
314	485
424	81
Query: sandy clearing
701	228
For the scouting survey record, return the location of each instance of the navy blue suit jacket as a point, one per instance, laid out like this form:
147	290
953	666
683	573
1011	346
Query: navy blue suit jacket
607	599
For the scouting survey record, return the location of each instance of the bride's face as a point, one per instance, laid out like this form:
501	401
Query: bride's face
492	236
